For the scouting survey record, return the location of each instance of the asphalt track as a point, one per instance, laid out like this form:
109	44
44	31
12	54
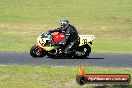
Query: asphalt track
95	59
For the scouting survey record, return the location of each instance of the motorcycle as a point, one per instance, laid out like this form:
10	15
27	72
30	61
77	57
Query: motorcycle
48	45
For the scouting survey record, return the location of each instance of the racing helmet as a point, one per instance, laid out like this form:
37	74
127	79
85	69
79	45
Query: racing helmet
64	23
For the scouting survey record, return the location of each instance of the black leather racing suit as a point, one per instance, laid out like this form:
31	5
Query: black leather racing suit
70	39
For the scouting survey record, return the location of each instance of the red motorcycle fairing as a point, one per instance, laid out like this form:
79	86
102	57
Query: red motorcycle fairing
58	37
39	48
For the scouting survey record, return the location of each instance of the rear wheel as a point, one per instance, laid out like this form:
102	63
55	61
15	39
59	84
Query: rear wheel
82	51
35	53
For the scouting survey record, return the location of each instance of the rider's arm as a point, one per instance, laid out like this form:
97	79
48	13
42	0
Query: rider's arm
67	34
54	30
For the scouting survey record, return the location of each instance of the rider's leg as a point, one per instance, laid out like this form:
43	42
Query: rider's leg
68	49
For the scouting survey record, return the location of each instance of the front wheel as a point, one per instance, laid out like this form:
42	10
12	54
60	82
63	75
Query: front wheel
82	51
34	52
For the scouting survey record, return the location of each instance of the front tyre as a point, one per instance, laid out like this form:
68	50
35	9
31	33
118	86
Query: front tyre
83	51
35	53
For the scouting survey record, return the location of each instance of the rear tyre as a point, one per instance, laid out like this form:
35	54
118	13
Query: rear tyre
83	51
35	53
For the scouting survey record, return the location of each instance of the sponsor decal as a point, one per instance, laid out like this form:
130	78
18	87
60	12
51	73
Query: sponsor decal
83	78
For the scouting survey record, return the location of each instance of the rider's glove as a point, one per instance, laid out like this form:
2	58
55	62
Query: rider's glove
49	32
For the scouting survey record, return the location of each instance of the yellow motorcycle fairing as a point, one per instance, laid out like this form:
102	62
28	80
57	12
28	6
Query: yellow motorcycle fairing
42	41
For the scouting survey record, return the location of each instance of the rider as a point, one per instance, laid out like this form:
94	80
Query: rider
71	36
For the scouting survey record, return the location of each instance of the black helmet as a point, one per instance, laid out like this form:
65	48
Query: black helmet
64	23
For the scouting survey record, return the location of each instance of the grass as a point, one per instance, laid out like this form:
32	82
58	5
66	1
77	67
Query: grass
20	37
21	21
109	20
52	77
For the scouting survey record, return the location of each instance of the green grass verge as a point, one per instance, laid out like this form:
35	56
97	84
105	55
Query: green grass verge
21	21
52	77
109	20
20	37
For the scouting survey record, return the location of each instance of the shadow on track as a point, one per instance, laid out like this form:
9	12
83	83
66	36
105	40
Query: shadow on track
74	58
94	58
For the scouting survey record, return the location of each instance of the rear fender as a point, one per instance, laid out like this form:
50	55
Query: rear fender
86	39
